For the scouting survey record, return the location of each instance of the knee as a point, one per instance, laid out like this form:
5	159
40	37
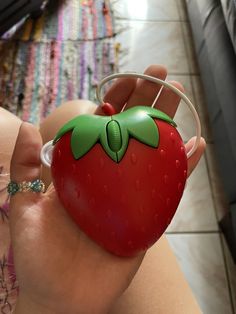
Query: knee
57	119
63	114
10	125
6	116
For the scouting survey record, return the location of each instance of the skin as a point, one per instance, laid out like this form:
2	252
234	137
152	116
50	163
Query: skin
59	269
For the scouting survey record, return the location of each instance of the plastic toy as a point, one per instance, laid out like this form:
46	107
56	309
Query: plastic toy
121	176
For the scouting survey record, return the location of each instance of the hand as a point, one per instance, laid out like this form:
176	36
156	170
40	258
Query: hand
59	269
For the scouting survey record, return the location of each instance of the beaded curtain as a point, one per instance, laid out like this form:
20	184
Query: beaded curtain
44	62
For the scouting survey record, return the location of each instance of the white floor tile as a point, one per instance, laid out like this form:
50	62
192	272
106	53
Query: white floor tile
146	43
190	50
161	10
196	209
201	260
182	10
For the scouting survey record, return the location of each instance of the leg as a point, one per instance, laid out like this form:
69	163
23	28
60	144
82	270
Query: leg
159	286
10	125
55	121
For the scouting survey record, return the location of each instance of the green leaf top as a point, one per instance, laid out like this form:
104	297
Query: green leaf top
113	132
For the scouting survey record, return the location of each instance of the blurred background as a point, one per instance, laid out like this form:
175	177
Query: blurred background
65	47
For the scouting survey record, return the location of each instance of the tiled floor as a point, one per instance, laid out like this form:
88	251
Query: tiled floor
158	32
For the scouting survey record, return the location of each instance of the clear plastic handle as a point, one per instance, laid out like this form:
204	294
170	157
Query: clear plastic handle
46	154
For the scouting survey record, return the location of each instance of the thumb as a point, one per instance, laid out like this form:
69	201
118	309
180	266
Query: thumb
25	162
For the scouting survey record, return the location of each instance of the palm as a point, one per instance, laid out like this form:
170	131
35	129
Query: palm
54	256
54	260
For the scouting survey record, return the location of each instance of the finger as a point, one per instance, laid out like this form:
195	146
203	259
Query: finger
119	93
25	162
168	100
194	159
146	91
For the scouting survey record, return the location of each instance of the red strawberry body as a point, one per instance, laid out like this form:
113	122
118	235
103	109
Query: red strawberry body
126	206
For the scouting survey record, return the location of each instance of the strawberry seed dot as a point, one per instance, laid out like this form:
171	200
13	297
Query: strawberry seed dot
180	186
150	168
89	178
113	234
102	162
141	209
168	221
154	193
126	223
143	229
123	199
73	168
137	185
92	201
163	153
108	214
172	137
119	173
156	217
168	202
105	189
166	178
130	244
133	158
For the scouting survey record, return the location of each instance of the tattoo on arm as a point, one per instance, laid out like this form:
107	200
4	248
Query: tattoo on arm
8	283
